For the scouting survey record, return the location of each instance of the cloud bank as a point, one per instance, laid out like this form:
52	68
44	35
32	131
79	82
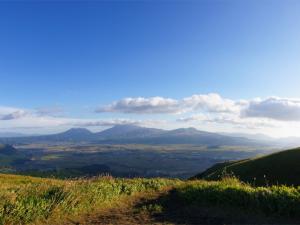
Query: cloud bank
22	119
283	109
199	110
275	108
142	106
9	113
205	111
159	105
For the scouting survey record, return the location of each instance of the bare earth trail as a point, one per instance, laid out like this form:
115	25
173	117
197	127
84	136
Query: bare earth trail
126	212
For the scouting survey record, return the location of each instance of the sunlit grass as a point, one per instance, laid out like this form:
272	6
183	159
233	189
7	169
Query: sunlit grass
34	200
230	192
27	199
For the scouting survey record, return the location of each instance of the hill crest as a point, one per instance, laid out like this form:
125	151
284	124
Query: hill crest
277	168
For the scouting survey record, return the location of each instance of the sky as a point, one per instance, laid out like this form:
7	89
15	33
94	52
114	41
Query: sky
220	66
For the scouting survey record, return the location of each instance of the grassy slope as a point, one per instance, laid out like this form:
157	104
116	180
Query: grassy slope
278	203
282	168
27	199
36	200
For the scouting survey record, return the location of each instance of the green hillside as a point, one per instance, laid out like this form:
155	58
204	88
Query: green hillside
7	150
278	168
106	200
26	199
10	158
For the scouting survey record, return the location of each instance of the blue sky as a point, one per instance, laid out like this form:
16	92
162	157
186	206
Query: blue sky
70	58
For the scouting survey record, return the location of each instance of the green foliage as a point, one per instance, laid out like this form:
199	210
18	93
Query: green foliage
230	192
34	200
27	199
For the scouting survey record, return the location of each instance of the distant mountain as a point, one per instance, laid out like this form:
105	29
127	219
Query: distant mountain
257	136
185	132
71	135
7	150
74	134
128	134
194	136
142	135
278	168
11	134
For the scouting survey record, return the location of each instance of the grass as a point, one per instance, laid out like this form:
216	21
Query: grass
276	200
25	199
278	168
228	201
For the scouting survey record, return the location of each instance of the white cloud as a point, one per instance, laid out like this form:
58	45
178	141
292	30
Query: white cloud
13	119
104	123
275	108
284	109
247	123
50	111
214	110
229	119
9	113
158	105
211	103
47	121
112	122
272	114
193	118
142	106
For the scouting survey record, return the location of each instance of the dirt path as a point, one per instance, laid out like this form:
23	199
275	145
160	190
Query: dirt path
125	213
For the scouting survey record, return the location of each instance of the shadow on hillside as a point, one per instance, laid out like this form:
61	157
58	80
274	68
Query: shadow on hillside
168	208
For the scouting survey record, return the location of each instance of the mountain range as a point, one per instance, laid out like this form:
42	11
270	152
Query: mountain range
129	134
12	134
